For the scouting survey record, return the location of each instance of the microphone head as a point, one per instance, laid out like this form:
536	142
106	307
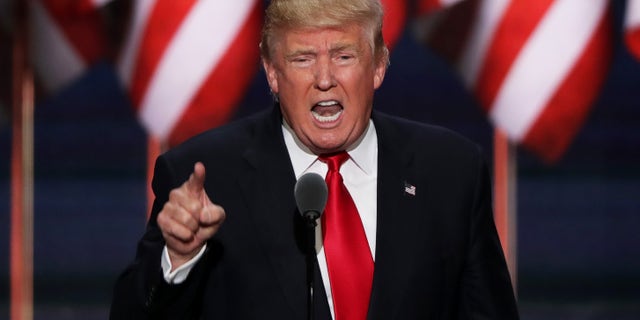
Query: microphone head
311	195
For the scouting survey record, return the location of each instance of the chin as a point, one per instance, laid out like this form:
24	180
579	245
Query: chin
328	149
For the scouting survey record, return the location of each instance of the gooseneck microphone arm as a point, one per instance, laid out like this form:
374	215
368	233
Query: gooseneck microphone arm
311	197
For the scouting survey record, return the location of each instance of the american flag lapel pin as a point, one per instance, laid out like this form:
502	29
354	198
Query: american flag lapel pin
409	189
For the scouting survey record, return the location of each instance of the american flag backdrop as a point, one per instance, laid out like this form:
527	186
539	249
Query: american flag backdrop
632	27
535	66
186	64
66	37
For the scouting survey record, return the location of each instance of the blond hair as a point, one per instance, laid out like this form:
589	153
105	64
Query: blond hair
286	14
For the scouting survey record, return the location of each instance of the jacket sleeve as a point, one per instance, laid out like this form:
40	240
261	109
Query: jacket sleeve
486	291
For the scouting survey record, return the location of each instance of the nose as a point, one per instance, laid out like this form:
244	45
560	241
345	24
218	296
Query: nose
324	76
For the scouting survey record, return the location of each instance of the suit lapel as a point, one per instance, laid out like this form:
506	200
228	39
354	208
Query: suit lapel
268	190
392	167
399	219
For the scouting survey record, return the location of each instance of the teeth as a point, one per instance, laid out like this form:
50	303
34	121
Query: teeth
330	118
327	103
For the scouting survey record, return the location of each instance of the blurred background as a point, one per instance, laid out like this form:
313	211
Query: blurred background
131	90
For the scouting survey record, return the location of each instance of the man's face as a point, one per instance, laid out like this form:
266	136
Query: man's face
325	80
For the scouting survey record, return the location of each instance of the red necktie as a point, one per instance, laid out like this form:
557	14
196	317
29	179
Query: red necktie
346	248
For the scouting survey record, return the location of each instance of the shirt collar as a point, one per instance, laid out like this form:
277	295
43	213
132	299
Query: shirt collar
364	152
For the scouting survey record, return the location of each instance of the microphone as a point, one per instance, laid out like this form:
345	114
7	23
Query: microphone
311	196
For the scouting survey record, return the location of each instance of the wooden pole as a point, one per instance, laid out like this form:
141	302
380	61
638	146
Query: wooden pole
504	202
154	148
21	233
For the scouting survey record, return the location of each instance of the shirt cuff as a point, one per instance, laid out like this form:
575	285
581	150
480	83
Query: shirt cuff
180	274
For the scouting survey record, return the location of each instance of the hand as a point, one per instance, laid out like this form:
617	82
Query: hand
189	218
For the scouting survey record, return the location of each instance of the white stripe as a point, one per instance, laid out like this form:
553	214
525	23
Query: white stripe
545	61
199	44
632	14
486	22
131	46
54	58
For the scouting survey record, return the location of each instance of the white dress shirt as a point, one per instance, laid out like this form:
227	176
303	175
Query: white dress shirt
360	175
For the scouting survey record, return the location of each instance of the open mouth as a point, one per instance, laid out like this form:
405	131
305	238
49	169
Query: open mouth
327	111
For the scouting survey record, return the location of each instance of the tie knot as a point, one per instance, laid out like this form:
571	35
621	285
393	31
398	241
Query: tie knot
334	160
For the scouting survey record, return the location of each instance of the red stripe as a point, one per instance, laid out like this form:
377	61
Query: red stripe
395	16
632	39
516	26
217	98
83	28
165	19
427	6
450	35
565	113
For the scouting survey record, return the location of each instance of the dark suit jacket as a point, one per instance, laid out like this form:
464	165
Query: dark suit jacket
437	255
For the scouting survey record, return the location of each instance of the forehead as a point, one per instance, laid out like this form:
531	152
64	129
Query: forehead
351	35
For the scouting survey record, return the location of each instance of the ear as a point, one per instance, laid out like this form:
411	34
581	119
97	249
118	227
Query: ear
380	71
272	75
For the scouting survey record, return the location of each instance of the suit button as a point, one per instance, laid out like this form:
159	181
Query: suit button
150	297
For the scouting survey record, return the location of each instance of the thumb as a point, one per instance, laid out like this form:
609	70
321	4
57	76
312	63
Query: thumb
195	184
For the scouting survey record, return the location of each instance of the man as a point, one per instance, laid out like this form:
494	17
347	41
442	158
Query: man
231	245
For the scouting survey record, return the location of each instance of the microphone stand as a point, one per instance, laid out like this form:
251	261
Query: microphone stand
310	219
311	194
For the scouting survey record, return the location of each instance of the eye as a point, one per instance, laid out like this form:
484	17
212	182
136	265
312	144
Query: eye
345	58
301	60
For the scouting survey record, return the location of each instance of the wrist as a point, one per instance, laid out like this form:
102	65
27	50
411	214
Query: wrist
177	260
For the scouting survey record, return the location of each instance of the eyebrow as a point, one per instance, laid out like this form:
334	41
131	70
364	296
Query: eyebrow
337	48
300	52
344	46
